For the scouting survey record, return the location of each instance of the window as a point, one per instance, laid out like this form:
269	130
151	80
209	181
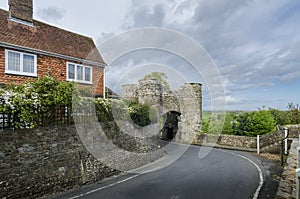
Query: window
79	73
87	74
19	63
71	71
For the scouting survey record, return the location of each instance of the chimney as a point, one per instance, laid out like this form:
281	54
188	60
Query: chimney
21	10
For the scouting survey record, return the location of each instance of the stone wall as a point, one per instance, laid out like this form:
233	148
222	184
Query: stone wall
150	91
129	92
44	161
287	184
227	140
268	143
170	102
293	130
37	162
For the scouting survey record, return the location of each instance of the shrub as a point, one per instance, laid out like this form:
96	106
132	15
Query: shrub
254	123
103	110
280	117
22	103
140	113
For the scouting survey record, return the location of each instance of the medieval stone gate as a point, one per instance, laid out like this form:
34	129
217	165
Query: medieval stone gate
180	111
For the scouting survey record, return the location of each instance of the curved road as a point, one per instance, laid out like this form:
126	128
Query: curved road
220	174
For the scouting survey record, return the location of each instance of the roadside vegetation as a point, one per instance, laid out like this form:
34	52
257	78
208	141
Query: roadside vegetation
260	122
24	105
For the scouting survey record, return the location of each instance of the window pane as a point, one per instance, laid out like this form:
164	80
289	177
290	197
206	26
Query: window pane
28	64
87	74
13	61
79	73
71	71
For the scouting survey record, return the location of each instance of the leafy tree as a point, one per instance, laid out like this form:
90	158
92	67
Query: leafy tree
280	117
212	123
294	110
228	123
160	77
254	123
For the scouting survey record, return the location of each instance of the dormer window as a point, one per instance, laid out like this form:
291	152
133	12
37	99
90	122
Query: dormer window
19	63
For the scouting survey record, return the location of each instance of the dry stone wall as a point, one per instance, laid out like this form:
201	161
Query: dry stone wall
38	162
43	161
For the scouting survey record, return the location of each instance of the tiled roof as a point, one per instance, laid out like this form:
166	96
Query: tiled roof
44	37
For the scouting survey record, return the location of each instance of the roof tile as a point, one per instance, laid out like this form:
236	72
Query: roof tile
44	37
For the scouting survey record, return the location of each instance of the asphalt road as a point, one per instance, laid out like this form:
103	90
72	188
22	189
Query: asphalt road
220	174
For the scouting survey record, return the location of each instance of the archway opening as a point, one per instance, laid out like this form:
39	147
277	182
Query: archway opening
170	127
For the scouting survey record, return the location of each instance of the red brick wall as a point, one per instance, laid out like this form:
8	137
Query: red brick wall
53	66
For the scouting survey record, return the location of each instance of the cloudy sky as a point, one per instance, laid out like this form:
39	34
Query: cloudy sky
255	44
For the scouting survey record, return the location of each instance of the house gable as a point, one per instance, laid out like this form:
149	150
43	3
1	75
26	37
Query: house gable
52	48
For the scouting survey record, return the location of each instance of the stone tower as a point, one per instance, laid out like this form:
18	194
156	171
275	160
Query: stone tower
190	99
130	92
150	92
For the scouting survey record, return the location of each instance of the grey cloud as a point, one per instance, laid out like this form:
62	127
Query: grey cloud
103	36
183	6
51	13
240	38
145	16
254	43
284	68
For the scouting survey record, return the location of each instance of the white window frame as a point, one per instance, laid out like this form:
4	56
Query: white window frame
21	72
75	73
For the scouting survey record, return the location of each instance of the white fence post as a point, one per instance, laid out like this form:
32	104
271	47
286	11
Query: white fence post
285	141
257	146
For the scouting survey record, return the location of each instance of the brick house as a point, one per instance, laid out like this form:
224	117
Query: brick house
31	49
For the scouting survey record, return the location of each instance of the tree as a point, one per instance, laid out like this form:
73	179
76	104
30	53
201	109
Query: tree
294	110
254	123
160	77
228	123
280	117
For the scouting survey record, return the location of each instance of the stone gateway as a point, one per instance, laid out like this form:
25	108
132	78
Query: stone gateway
180	111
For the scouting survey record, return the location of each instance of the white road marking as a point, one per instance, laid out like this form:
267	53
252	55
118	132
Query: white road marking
104	187
261	179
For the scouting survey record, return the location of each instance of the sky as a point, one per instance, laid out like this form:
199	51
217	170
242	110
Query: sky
254	44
